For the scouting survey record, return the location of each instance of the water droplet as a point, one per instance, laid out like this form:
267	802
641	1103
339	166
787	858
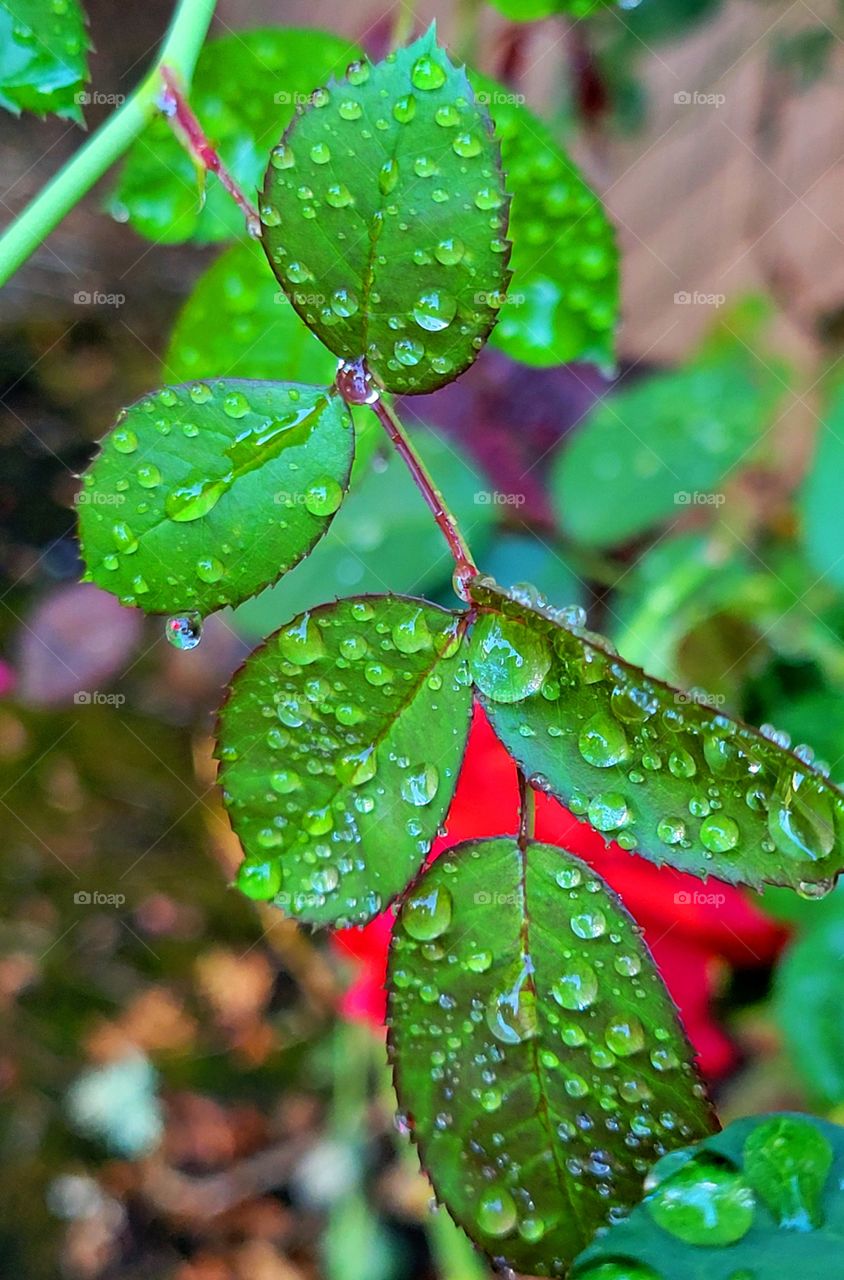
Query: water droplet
511	1013
258	880
148	475
787	1163
608	811
466	145
577	986
625	1036
124	440
427	74
602	742
427	913
447	116
285	781
350	110
302	642
320	153
412	635
589	924
718	833
405	109
281	157
357	72
419	785
671	830
619	1269
801	820
434	310
449	251
388	176
703	1203
323	496
184	631
408	351
235	404
344	303
509	660
338	196
488	198
209	569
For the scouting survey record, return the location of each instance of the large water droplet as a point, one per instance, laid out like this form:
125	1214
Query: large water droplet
427	913
577	986
258	880
509	660
427	73
602	741
302	641
719	833
419	785
323	496
801	819
787	1163
511	1012
703	1203
434	310
184	631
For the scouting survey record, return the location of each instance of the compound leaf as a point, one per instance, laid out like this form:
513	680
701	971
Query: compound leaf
340	746
536	1050
204	494
384	202
244	92
237	323
43	57
662	446
562	303
762	1199
655	769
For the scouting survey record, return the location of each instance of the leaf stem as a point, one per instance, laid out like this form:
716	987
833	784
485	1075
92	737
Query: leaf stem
527	811
190	133
179	51
465	568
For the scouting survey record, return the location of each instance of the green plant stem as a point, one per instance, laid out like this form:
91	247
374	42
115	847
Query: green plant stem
464	564
179	51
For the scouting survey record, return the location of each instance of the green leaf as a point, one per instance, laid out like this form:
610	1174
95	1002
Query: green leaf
43	57
657	770
808	1006
385	214
661	447
562	302
204	494
237	323
823	529
530	10
340	746
383	537
762	1200
244	92
536	1049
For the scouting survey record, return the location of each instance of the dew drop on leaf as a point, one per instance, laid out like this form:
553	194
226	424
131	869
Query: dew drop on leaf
703	1203
427	914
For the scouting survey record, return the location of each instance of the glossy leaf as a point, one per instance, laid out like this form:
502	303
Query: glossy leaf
823	528
205	493
237	323
536	1050
340	746
655	769
662	447
760	1201
384	218
43	57
530	10
562	303
808	1005
244	92
383	537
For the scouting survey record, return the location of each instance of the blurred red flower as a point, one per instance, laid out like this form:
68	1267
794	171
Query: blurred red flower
694	931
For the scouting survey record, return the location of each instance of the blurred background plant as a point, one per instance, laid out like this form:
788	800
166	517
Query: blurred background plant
190	1087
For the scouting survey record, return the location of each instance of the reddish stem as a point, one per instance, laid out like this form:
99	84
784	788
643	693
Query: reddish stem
187	128
465	568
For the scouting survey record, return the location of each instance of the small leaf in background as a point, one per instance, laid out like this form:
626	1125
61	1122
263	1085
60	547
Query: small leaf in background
653	768
530	10
385	218
205	493
528	558
244	92
43	57
762	1200
237	323
823	527
340	745
562	303
661	448
808	1006
383	537
535	1048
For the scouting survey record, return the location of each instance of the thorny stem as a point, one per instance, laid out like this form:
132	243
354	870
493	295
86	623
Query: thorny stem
179	51
527	811
190	133
465	567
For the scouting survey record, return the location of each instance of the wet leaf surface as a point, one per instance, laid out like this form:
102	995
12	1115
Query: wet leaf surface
340	745
43	57
385	218
537	1053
